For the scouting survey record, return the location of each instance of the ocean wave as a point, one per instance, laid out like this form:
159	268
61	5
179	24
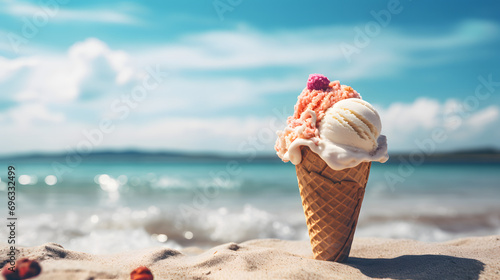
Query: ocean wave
452	223
139	228
124	228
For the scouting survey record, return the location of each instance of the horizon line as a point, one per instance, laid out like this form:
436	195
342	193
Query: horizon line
486	150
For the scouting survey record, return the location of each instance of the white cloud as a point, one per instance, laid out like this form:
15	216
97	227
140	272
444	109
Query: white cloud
393	51
483	118
224	134
319	49
5	46
194	134
403	123
96	16
467	32
61	78
40	136
9	67
242	49
91	66
58	12
401	117
182	95
27	113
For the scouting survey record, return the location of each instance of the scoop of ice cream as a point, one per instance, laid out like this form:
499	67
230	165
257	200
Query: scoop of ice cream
352	122
310	108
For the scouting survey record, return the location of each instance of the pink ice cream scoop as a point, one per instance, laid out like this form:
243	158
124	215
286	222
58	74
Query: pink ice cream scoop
319	95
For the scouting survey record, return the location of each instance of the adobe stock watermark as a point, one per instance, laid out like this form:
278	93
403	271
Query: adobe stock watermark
31	26
223	6
453	120
363	36
265	137
121	107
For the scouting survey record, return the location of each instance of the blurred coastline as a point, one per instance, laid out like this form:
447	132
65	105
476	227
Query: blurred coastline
480	155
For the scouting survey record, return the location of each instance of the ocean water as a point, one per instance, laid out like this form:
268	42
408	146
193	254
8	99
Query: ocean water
117	205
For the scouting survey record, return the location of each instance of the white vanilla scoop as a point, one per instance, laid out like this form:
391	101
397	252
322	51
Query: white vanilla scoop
352	122
349	134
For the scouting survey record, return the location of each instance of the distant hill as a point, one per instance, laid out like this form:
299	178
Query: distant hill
135	156
486	155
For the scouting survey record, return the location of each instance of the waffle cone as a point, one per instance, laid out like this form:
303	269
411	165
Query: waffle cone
332	201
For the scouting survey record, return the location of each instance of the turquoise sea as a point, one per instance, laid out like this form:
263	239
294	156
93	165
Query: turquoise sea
117	204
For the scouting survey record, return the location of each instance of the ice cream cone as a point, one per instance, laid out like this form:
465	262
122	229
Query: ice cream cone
332	201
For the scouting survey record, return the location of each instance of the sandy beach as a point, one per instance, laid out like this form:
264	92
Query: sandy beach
468	258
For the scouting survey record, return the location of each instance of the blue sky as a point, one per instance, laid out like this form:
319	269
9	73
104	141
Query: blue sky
233	70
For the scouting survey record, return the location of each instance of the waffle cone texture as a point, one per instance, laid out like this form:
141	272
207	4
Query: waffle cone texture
332	201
